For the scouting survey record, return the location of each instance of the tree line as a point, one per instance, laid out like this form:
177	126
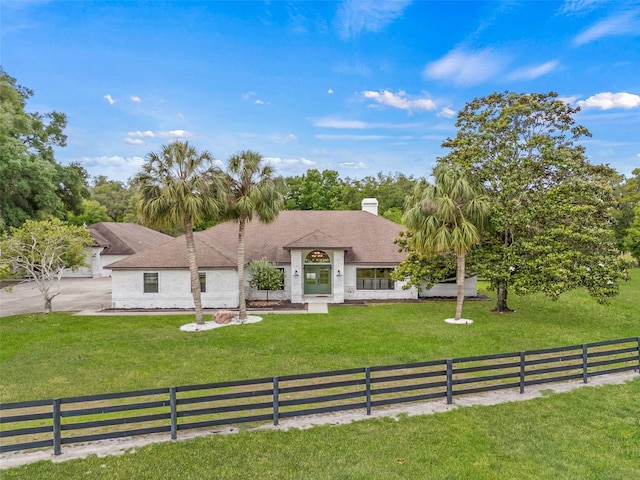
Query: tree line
514	198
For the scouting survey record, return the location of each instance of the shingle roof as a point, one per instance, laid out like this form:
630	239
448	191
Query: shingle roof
173	254
125	238
366	239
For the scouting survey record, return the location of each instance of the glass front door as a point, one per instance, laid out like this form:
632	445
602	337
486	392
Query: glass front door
317	279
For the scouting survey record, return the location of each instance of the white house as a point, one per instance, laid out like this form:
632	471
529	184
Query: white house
335	255
113	241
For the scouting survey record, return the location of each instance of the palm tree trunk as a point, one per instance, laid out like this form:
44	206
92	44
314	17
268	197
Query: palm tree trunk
193	269
241	290
460	273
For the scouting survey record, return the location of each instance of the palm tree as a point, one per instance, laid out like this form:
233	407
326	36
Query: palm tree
447	218
252	189
180	187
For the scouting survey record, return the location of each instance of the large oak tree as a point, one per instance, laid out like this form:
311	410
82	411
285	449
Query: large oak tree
552	215
33	184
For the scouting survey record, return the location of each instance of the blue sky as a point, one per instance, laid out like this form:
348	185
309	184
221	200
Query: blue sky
357	86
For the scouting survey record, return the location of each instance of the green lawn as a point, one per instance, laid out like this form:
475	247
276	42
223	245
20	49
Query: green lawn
61	355
590	433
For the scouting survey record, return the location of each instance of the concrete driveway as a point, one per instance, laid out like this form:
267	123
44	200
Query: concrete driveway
77	294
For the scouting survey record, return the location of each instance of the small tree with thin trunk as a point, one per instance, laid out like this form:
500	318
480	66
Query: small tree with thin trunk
252	189
446	218
180	186
265	275
41	251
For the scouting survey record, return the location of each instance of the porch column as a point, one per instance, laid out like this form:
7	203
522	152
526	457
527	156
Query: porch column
338	276
296	278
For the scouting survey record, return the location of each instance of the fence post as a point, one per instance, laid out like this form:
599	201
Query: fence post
276	413
449	382
638	354
522	371
174	413
57	429
585	364
367	382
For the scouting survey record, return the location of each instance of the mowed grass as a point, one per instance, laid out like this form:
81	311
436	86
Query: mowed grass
590	433
61	355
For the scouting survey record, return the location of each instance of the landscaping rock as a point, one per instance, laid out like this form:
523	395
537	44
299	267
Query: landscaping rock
223	317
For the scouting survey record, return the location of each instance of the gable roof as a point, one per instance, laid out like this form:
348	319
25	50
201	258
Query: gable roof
317	240
365	238
125	238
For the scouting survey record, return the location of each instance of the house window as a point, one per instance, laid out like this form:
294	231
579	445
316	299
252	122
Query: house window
317	256
281	287
374	279
150	283
202	276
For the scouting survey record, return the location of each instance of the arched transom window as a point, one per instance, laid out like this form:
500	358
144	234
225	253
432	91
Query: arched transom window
317	256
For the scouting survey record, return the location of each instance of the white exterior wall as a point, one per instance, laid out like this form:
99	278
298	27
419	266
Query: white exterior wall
106	260
174	289
451	289
351	293
92	269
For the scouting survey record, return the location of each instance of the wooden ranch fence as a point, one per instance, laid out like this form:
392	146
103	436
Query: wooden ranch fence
53	423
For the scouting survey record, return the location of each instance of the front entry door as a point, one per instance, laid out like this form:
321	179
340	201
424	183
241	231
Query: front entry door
317	279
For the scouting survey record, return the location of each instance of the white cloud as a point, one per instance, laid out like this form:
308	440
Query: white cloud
330	91
446	112
113	161
290	163
626	23
113	167
466	68
355	16
571	7
608	100
534	71
135	99
251	95
331	122
134	141
285	139
169	134
400	100
147	133
337	123
175	134
109	99
568	100
353	165
353	137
